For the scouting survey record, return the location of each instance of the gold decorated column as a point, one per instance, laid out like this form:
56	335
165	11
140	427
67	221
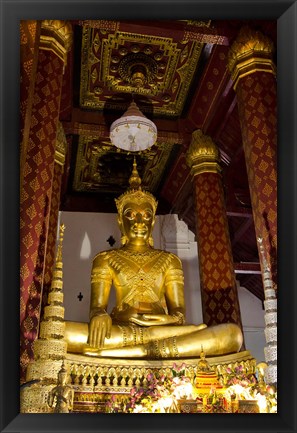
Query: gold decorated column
253	72
217	278
37	175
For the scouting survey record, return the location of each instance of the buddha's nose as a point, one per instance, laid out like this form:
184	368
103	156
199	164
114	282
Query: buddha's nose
139	219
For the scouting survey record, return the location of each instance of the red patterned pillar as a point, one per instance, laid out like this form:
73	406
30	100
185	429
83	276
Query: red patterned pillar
60	155
253	71
37	181
217	278
29	46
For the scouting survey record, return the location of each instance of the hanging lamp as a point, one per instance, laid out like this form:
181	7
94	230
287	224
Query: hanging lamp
133	131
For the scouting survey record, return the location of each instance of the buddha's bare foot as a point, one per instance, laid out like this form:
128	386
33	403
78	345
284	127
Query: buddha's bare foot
122	352
91	351
201	326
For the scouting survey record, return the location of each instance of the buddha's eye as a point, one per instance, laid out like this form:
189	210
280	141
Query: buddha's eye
147	215
130	214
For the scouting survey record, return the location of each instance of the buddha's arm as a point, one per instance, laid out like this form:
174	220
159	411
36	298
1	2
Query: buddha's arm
100	321
174	291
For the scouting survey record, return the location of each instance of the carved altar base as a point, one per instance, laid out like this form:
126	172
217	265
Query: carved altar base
95	380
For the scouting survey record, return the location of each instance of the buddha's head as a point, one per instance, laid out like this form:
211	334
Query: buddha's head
62	376
136	212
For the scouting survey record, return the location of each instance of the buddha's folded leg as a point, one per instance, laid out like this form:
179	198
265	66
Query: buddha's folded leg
216	340
76	335
160	332
157	341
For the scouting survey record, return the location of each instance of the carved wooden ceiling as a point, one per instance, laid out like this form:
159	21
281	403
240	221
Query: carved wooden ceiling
176	72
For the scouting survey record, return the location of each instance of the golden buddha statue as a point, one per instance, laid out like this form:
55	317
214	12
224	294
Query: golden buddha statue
148	320
203	364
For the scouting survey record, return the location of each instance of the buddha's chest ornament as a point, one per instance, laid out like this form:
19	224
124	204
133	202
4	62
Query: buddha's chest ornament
139	271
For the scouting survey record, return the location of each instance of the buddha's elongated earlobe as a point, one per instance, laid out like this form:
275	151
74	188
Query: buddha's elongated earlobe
151	241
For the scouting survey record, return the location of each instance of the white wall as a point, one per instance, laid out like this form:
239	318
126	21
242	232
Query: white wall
252	316
86	234
178	239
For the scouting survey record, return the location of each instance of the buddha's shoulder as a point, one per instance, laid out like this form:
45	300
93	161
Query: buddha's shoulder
119	253
103	256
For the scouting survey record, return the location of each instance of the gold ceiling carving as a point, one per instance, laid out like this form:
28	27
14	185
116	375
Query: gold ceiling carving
100	167
56	36
103	25
167	68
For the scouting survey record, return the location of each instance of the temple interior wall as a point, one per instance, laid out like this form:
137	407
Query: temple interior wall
86	234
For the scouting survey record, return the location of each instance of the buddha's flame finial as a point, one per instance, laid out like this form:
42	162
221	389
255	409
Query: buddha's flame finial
135	181
135	192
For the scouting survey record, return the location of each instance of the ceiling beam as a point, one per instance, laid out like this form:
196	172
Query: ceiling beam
86	122
247	268
188	30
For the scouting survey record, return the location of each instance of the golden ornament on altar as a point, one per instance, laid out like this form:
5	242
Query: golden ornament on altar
61	396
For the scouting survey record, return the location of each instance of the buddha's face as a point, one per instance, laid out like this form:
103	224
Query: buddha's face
62	378
137	221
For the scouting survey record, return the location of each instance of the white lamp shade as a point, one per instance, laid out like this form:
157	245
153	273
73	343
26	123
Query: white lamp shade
133	132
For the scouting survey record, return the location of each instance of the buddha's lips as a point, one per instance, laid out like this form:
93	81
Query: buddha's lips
140	230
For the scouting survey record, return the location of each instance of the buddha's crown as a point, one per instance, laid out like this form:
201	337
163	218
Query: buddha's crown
62	372
135	193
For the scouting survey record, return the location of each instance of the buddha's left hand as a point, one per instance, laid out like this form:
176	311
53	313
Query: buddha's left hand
154	319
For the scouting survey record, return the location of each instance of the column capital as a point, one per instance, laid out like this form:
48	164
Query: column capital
203	155
56	36
61	145
250	52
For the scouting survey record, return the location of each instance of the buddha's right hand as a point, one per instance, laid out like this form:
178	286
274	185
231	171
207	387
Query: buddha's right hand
99	329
